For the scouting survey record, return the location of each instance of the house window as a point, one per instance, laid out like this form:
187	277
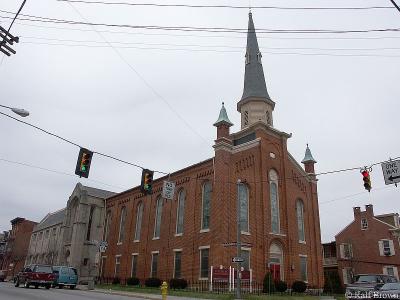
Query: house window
117	265
54	231
180	212
300	220
107	227
244	207
347	275
139	216
178	264
303	268
259	56
89	227
386	248
364	224
245	254
134	265
122	225
273	186
154	264
346	251
47	234
157	223
204	255
247	56
206	206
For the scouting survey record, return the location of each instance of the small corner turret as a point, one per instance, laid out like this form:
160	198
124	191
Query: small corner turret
308	161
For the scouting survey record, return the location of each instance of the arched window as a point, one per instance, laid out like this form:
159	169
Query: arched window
89	227
275	263
206	206
157	223
122	225
180	212
274	198
139	216
300	220
107	226
244	207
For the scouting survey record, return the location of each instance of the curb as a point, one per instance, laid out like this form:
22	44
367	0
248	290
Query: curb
129	294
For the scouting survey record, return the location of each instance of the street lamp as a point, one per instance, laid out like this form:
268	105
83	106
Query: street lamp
18	111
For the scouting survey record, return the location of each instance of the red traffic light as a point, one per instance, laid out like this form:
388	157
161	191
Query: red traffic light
367	180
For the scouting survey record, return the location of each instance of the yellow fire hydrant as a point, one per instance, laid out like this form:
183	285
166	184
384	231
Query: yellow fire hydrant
164	290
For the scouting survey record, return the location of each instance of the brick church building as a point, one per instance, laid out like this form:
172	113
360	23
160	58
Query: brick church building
149	236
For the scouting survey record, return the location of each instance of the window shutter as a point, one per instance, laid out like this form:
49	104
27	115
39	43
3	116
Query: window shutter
342	251
344	273
391	245
380	243
396	273
385	272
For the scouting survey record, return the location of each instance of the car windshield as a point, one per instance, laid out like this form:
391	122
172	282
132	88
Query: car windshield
74	271
56	270
391	286
365	278
43	269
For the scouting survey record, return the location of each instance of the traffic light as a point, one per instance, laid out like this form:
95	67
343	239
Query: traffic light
367	180
83	163
146	185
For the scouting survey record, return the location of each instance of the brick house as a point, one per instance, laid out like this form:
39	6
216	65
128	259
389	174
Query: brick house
17	246
369	244
149	236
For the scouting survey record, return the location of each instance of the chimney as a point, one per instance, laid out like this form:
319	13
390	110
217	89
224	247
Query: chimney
357	212
369	208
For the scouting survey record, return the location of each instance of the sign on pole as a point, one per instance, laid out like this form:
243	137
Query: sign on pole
391	171
237	260
168	190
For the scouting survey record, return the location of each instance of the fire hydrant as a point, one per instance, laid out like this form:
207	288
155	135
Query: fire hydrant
164	290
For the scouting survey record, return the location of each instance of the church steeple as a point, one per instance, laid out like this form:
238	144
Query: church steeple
255	104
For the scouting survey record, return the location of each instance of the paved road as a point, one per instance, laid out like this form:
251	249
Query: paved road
9	292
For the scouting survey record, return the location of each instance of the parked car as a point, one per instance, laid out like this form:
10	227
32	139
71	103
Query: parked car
389	290
36	275
3	274
65	276
365	284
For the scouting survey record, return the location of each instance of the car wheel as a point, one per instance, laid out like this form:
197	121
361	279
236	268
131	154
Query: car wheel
71	287
60	286
36	286
26	284
17	283
47	286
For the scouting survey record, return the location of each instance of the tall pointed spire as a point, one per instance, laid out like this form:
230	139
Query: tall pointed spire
255	105
254	80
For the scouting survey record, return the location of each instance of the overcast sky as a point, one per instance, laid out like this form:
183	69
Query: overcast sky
154	101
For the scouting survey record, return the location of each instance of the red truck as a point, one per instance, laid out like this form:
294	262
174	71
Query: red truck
36	275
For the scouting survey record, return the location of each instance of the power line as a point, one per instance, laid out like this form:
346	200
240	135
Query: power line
75	144
208	46
32	18
225	6
395	5
212	50
54	171
273	37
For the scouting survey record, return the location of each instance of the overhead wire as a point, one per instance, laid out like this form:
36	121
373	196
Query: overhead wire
226	6
32	18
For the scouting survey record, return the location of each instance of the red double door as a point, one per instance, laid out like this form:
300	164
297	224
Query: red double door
275	270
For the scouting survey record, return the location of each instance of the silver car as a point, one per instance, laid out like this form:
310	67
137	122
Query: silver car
389	290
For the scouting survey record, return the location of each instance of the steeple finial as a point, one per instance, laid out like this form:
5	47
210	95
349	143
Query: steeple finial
223	117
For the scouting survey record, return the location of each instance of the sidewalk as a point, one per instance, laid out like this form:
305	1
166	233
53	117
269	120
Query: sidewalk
141	295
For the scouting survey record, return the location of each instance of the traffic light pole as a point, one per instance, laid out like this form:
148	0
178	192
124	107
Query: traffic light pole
238	244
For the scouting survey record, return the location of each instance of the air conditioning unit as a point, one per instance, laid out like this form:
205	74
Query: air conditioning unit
386	252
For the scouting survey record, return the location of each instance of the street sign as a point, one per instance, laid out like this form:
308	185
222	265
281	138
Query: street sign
237	259
391	171
103	246
168	190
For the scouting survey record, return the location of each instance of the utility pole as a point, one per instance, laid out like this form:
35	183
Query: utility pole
238	244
